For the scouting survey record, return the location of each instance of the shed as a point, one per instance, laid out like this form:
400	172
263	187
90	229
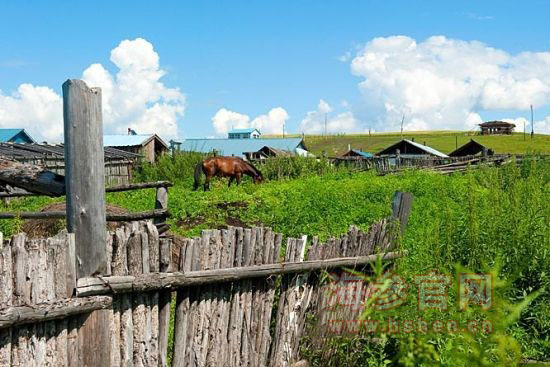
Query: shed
497	127
357	153
267	152
470	148
118	163
15	136
150	146
244	134
410	148
239	147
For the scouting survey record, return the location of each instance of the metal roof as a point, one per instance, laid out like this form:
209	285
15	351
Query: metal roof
40	151
125	140
236	147
243	131
424	148
362	154
6	135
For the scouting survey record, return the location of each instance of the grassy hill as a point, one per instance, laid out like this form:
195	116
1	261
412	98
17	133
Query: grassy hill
444	141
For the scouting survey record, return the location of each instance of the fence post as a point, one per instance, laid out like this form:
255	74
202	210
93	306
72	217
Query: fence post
401	208
85	188
161	202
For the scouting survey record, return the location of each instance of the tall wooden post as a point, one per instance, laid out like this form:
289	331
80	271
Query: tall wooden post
85	188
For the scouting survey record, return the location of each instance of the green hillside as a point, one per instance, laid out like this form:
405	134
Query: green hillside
444	141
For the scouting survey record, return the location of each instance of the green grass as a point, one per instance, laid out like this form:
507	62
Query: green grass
489	218
444	141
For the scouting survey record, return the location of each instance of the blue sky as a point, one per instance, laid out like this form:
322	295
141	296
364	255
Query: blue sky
251	57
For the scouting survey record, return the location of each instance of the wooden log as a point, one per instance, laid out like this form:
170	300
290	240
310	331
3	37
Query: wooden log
124	217
401	208
139	186
21	315
85	188
161	202
157	281
32	178
165	297
6	296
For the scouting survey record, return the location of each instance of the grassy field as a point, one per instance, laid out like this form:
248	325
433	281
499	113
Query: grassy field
444	141
490	218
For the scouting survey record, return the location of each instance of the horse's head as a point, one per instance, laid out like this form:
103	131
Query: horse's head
258	178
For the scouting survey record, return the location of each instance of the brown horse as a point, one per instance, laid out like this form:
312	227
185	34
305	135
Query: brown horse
231	167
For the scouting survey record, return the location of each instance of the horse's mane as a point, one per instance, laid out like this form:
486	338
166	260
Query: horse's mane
253	169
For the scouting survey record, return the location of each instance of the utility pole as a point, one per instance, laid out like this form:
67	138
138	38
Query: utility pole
325	125
402	120
532	123
283	130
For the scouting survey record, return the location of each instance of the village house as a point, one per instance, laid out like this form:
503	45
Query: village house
248	145
497	127
411	149
15	136
150	146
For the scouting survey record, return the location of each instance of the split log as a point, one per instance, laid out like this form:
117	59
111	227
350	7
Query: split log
31	178
125	217
158	281
20	315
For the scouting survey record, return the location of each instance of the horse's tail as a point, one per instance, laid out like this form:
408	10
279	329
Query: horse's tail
198	171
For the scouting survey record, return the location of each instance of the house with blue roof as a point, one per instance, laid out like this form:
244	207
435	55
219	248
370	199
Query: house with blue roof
150	146
244	134
247	144
19	136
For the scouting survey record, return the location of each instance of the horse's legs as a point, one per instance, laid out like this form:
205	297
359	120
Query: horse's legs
230	180
207	183
238	178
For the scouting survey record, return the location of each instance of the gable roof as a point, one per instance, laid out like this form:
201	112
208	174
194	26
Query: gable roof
470	148
359	153
426	149
244	131
497	124
130	140
11	135
237	147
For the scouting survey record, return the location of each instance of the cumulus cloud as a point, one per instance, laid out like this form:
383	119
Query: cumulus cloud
134	97
444	83
37	109
314	121
269	123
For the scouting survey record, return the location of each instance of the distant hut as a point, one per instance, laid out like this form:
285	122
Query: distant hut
268	152
497	127
357	153
244	134
471	148
150	146
408	148
19	136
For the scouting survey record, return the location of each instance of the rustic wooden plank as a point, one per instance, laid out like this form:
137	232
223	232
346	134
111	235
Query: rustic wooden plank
182	328
165	297
123	304
6	294
235	322
248	355
110	217
85	188
34	179
156	281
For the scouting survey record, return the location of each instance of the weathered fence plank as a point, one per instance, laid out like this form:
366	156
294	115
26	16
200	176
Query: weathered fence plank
85	188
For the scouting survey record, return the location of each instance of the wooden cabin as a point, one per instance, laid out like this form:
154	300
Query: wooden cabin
497	127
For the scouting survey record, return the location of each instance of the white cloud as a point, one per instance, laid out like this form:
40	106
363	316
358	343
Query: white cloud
314	121
442	83
37	109
225	120
270	123
133	97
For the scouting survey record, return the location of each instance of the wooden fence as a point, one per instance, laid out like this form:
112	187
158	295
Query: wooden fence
220	318
91	298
